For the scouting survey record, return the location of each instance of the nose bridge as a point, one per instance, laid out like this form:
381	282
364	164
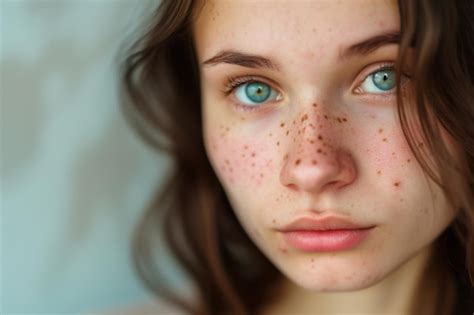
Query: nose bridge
315	157
314	136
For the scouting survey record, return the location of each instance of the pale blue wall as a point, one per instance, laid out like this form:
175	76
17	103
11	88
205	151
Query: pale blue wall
74	178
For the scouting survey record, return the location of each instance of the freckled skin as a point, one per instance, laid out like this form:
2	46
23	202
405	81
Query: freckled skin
330	153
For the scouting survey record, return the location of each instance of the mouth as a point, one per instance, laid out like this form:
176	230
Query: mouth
327	234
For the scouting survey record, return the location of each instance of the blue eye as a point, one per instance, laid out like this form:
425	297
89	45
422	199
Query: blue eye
254	93
381	80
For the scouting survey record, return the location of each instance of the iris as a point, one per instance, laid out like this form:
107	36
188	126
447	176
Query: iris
384	79
257	91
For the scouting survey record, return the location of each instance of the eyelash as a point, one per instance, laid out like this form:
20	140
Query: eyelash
235	82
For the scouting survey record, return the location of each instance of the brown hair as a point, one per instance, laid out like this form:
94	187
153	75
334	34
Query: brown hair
228	271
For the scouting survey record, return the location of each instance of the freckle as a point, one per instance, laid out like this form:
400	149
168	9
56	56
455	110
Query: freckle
396	184
282	125
278	143
305	116
226	161
379	172
324	153
372	116
320	137
297	162
243	155
314	162
325	116
339	120
242	118
312	259
269	134
319	151
299	132
261	175
285	157
231	169
311	141
304	129
273	221
287	132
380	130
384	139
409	160
246	147
226	128
253	164
311	125
253	154
393	153
344	119
294	122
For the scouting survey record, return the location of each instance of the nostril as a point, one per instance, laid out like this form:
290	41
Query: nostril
292	186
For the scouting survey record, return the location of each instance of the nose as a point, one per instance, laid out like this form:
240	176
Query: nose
317	161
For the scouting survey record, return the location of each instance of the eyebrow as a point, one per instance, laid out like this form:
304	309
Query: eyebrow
260	62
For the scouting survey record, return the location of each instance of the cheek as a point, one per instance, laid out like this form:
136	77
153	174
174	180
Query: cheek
239	159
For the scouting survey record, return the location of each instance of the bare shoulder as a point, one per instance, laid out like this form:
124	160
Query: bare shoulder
154	307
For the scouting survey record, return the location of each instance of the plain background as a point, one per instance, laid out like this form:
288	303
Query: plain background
74	176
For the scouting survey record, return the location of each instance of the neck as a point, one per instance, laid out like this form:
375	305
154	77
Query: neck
395	294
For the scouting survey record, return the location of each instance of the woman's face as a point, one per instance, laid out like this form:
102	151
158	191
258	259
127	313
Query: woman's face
314	134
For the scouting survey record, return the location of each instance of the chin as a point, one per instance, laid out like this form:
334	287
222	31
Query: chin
329	276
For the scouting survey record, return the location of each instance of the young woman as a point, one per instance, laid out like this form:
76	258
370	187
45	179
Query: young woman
323	154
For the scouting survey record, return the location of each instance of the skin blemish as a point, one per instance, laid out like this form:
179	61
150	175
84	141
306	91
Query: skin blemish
287	132
311	141
384	139
285	157
339	120
253	154
315	105
261	175
314	162
278	143
379	172
319	151
344	119
320	137
282	125
270	135
246	147
297	162
409	160
380	130
396	184
305	117
325	117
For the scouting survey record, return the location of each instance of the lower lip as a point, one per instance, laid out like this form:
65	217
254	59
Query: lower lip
326	241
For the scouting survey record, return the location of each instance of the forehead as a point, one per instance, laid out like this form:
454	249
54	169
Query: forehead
267	26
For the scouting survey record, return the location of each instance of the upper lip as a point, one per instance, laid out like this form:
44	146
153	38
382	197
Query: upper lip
327	223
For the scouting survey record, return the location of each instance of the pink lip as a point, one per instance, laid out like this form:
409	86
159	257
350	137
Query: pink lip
327	234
